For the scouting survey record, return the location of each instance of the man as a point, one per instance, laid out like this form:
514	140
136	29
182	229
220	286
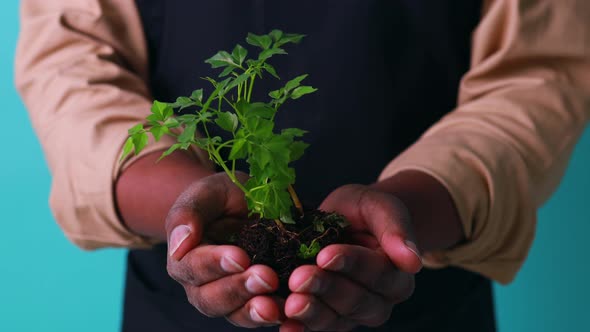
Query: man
462	193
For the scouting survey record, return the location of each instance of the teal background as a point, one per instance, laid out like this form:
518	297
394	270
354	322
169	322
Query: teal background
47	284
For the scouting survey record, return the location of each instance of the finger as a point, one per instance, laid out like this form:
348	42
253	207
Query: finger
369	268
203	202
314	314
208	263
383	215
223	296
259	311
364	239
291	325
359	304
217	232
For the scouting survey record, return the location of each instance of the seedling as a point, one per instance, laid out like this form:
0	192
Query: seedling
250	125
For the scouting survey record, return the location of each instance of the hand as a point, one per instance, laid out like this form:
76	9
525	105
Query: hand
218	279
357	285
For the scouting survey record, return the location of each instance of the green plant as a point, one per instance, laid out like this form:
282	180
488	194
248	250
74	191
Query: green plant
253	136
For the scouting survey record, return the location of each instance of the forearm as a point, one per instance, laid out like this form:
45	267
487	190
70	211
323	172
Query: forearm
435	219
146	190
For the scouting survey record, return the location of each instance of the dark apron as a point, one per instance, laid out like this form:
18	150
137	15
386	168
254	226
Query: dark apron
386	70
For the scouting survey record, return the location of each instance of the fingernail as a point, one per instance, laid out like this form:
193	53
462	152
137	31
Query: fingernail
230	266
311	285
257	318
303	311
336	263
413	248
178	235
256	285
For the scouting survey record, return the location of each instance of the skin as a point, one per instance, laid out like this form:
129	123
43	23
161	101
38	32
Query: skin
389	224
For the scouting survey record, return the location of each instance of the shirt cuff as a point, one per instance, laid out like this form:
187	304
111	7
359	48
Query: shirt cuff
493	248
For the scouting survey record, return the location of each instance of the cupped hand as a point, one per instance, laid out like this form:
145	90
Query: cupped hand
356	285
218	279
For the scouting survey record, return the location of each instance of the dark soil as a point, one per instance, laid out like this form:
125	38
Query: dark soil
278	245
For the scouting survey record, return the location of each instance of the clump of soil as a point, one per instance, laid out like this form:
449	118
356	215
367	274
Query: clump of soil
278	245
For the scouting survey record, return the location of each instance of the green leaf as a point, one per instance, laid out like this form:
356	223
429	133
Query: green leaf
158	131
162	110
197	96
237	81
261	110
268	199
203	143
276	35
221	59
262	41
297	149
271	70
266	54
167	113
153	119
187	118
206	143
227	121
289	38
306	252
173	148
284	175
292	84
140	140
127	148
183	102
219	87
279	147
318	225
302	91
293	132
238	150
228	70
262	156
259	127
204	116
188	135
135	129
239	53
172	123
287	219
338	219
278	203
276	94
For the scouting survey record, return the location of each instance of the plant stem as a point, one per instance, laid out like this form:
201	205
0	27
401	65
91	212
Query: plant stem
280	224
229	172
220	146
295	199
252	78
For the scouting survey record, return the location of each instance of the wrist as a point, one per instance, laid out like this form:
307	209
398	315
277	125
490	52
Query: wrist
147	189
435	218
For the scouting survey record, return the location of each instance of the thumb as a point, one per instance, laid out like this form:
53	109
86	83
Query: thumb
202	203
384	216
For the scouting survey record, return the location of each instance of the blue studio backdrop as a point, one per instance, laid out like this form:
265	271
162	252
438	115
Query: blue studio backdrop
48	284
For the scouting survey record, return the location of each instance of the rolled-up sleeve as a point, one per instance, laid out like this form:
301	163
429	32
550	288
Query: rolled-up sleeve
522	107
81	69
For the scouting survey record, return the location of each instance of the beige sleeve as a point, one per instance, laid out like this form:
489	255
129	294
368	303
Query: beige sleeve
81	69
522	107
